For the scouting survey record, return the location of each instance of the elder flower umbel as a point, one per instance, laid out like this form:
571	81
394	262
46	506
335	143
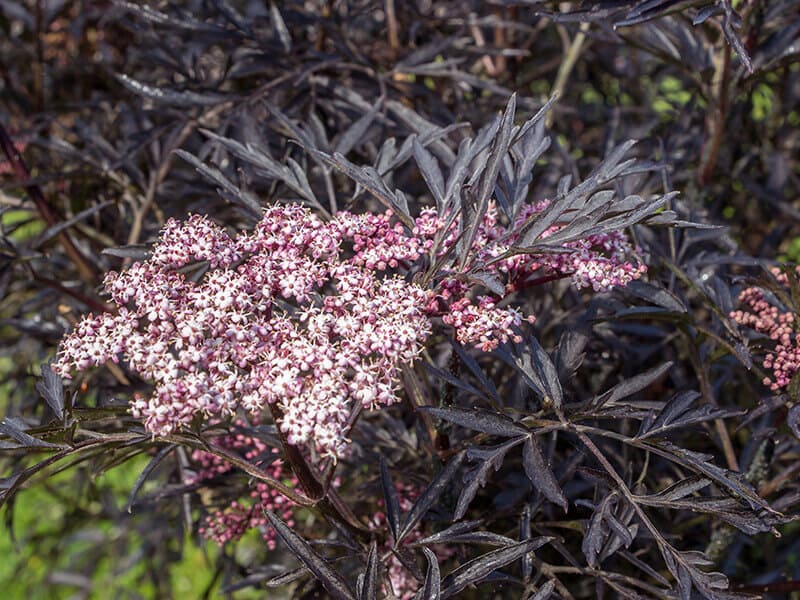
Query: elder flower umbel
305	315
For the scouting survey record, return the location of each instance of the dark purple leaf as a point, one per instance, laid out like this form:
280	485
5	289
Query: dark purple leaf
430	496
443	536
630	386
355	134
474	209
279	27
52	390
13	428
476	419
479	568
431	587
679	414
182	99
135	252
431	173
540	473
371	581
545	591
334	583
793	420
490	459
392	504
243	197
154	462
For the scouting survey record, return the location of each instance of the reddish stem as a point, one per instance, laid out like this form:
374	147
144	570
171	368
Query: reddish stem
47	212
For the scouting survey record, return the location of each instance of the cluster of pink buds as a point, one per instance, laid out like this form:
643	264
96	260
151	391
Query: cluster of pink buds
779	325
311	318
230	523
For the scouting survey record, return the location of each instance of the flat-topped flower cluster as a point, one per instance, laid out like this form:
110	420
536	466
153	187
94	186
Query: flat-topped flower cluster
314	317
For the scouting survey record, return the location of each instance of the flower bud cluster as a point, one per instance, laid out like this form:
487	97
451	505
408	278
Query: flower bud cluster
779	325
230	523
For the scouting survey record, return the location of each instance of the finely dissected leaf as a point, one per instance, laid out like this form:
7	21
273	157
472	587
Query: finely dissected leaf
468	149
683	488
430	496
182	99
733	482
536	368
392	504
288	577
431	587
486	421
14	429
279	27
245	198
488	280
154	462
793	420
355	134
161	18
545	591
54	230
490	459
463	533
254	579
659	296
570	353
369	587
431	173
52	390
469	361
135	252
678	413
291	174
684	567
473	210
445	535
479	568
609	168
369	179
454	381
540	473
423	127
334	583
548	374
609	529
632	385
530	145
729	510
597	531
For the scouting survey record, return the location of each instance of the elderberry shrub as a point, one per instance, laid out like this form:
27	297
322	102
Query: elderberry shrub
383	300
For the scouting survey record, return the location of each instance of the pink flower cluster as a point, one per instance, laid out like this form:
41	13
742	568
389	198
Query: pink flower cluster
763	316
286	315
302	314
230	523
